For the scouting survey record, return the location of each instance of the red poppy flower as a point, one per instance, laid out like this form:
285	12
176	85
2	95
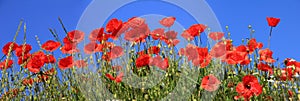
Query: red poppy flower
75	36
157	33
113	26
98	34
5	48
289	62
252	45
190	52
164	64
273	22
66	62
50	59
266	55
264	67
203	58
196	29
36	62
3	64
199	56
116	51
142	60
23	49
216	35
138	33
80	63
167	21
69	48
292	63
235	57
171	35
50	45
154	61
220	49
210	83
185	34
90	48
249	87
159	62
66	40
241	48
27	82
181	52
135	22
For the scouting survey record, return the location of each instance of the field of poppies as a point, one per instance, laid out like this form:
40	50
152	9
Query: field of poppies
127	60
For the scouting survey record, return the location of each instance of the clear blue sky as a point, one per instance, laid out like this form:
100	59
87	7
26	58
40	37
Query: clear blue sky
238	14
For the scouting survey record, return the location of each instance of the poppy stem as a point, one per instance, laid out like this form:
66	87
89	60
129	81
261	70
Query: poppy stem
270	37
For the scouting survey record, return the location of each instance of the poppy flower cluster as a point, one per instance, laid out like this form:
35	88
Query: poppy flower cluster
169	37
35	61
225	51
199	56
249	66
145	58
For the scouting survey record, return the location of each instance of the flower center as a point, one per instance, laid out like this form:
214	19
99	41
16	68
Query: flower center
248	86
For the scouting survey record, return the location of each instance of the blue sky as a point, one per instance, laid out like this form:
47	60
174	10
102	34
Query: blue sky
41	15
